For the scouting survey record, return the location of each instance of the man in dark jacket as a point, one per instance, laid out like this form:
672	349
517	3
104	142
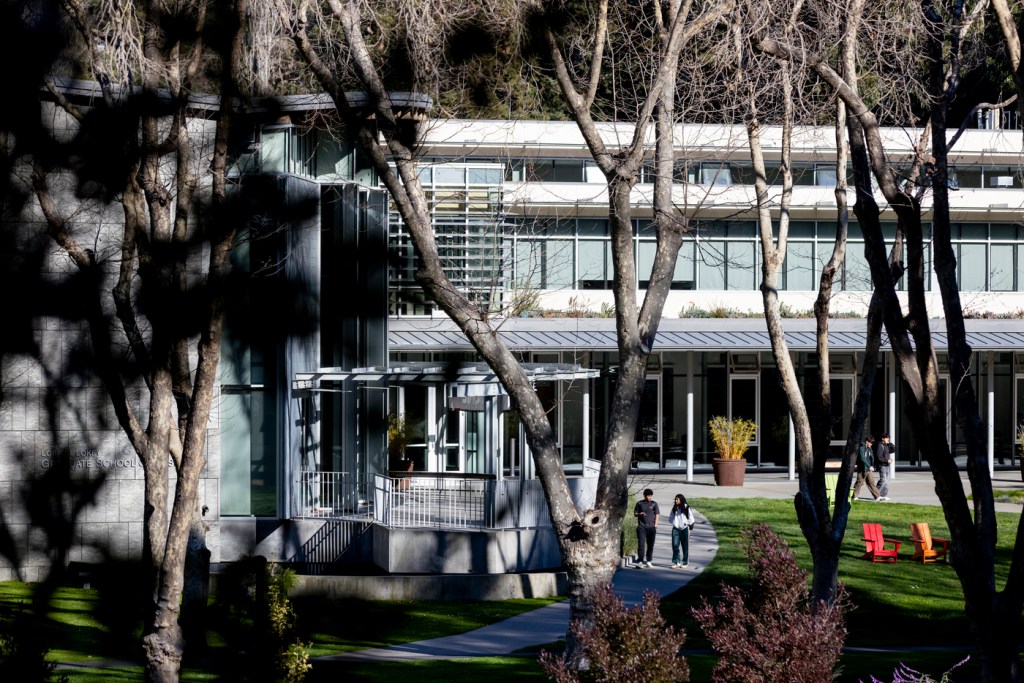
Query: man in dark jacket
866	469
646	512
883	460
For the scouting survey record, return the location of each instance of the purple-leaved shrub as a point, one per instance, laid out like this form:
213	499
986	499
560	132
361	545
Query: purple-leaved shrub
622	644
775	633
904	674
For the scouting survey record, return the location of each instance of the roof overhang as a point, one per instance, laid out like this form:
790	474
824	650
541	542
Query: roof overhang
683	334
328	379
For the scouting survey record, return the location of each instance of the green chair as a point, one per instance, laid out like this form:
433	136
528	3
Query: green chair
831	483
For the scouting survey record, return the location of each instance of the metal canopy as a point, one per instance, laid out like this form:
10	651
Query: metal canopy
436	373
726	334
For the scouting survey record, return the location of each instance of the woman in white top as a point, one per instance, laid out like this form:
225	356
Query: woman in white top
682	521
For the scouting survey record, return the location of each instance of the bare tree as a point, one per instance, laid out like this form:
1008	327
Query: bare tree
576	46
773	91
135	197
994	615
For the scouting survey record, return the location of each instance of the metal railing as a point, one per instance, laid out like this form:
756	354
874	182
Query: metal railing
332	495
436	501
442	502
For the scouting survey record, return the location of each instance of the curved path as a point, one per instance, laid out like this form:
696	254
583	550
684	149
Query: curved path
548	624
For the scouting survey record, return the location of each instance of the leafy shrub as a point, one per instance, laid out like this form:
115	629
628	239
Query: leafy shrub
904	674
622	645
775	633
259	622
731	437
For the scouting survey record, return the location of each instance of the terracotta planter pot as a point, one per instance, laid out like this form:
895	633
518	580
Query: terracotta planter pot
729	472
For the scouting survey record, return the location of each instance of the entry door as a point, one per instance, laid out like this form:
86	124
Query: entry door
844	392
744	402
954	435
433	427
1018	412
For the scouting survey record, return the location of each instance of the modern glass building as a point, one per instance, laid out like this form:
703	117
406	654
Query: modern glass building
299	467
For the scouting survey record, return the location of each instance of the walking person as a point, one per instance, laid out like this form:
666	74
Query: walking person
646	512
883	460
682	520
865	468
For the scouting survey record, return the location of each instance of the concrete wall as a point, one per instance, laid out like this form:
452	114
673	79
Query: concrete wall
310	544
430	551
449	587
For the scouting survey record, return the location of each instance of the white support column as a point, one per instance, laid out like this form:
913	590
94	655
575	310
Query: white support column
586	422
990	419
689	416
890	418
792	449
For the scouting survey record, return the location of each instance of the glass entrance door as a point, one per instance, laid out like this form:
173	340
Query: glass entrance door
843	389
744	403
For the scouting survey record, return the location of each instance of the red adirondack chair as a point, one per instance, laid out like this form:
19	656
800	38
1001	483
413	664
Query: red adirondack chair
875	542
925	544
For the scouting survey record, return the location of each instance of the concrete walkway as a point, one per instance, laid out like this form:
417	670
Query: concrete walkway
550	623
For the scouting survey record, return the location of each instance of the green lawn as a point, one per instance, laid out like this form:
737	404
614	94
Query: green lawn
906	605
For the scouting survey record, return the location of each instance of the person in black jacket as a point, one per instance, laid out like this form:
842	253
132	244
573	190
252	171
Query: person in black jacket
865	468
883	460
646	512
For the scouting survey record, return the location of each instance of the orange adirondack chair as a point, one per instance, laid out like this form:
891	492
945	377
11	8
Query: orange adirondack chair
875	542
926	546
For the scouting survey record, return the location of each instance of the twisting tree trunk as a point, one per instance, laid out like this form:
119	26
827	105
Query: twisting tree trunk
589	540
993	615
823	529
155	282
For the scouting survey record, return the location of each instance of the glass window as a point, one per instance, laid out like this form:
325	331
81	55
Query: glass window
248	468
645	261
648	424
824	253
799	229
484	176
743	173
1004	177
1003	231
449	175
858	272
743	400
825	175
967	176
741	270
595	264
742	229
711	268
544	264
685	172
1003	268
803	174
715	174
273	148
971	267
592	227
563	171
682	276
645	227
799	267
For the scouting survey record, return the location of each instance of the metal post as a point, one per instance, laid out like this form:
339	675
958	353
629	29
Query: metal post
689	416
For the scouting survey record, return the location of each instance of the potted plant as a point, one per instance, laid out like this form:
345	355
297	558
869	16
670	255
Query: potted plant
731	439
398	439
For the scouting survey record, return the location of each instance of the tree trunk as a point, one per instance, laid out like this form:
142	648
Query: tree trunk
591	557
